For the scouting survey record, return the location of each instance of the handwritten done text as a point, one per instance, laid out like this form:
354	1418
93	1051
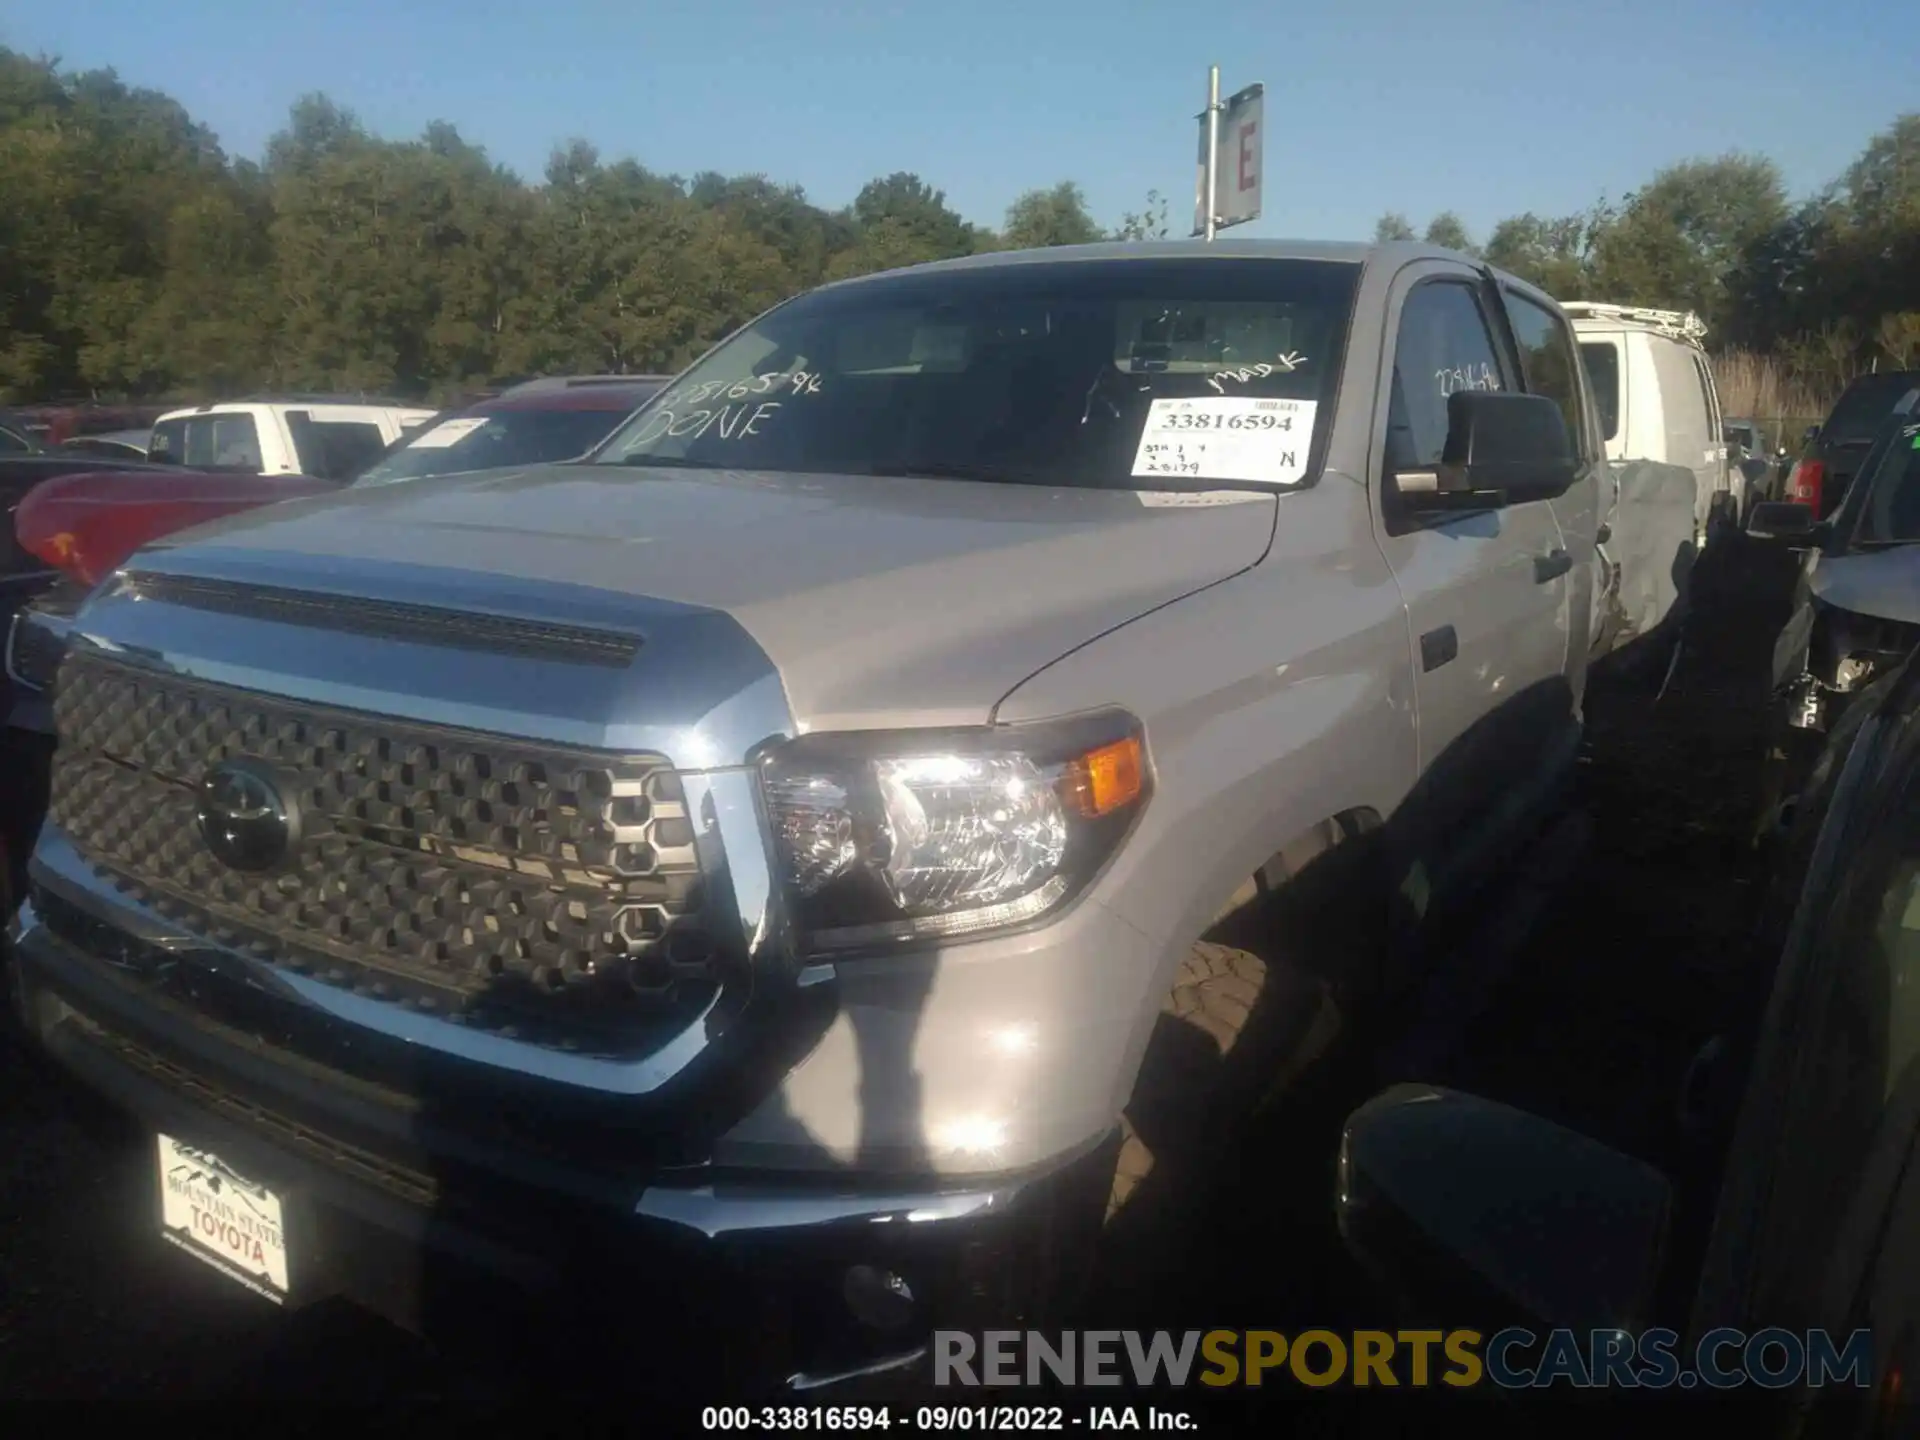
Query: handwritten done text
729	409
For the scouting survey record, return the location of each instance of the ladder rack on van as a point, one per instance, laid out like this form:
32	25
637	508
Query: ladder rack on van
1680	324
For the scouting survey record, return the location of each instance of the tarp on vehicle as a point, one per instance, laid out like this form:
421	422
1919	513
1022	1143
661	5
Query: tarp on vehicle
85	525
1652	545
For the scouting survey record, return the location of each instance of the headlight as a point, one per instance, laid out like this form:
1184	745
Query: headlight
894	836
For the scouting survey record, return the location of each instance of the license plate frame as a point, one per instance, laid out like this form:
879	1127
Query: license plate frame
224	1218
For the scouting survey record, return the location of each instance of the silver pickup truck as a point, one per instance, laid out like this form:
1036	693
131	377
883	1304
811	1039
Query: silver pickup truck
910	792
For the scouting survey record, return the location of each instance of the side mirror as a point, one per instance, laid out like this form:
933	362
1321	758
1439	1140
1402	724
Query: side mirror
1809	435
1782	520
1469	1207
1501	448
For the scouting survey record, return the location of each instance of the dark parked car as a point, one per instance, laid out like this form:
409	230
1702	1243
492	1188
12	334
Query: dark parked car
1856	610
536	423
1833	450
1468	1207
115	445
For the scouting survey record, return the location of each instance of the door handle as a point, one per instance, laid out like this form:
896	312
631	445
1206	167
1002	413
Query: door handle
1439	647
1551	566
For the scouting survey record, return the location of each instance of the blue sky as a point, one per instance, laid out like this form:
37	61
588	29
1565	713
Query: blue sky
1482	106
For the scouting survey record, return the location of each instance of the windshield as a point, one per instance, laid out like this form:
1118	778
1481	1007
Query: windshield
492	441
1867	402
1892	514
1123	373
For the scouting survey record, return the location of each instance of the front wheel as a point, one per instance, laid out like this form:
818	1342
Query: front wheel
1234	1030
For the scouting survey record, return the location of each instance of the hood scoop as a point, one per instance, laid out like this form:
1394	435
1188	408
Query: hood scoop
387	619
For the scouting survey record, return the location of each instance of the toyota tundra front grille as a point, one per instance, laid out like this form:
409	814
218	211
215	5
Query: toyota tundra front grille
538	891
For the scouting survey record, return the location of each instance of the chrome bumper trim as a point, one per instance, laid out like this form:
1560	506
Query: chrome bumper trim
737	864
714	1213
887	1366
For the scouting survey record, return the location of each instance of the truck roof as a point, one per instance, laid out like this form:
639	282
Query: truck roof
1395	253
1682	325
276	402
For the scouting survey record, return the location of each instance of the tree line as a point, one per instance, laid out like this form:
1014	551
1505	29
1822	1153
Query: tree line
138	260
1826	287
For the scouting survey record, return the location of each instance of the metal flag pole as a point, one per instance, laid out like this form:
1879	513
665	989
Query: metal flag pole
1213	149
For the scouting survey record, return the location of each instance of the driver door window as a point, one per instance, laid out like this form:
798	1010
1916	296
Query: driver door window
1444	345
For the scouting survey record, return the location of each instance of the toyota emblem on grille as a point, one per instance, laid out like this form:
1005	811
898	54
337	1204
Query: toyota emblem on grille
246	820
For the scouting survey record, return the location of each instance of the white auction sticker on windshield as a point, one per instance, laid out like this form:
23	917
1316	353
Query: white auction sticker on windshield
1226	437
448	432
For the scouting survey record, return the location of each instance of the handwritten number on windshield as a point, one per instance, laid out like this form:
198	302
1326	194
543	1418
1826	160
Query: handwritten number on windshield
790	383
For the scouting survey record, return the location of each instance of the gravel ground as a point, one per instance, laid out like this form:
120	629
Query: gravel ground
1626	967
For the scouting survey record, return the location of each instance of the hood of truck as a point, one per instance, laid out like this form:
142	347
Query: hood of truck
880	601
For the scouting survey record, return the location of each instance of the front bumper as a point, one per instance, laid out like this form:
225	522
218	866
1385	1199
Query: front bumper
388	1209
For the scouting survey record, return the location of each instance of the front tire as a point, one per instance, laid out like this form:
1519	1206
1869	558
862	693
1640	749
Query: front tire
1233	1031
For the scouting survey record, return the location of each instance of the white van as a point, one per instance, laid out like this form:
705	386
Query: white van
1657	401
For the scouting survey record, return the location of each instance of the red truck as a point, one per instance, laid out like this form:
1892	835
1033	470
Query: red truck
81	526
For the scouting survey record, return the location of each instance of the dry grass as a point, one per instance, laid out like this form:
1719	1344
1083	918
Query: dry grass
1764	387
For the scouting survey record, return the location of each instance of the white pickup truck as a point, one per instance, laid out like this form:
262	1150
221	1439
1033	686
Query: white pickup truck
329	438
809	826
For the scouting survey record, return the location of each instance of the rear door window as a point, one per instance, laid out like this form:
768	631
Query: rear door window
1602	359
1550	364
230	442
334	449
210	442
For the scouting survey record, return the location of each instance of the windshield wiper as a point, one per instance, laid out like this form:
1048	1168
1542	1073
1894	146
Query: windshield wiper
946	470
662	462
